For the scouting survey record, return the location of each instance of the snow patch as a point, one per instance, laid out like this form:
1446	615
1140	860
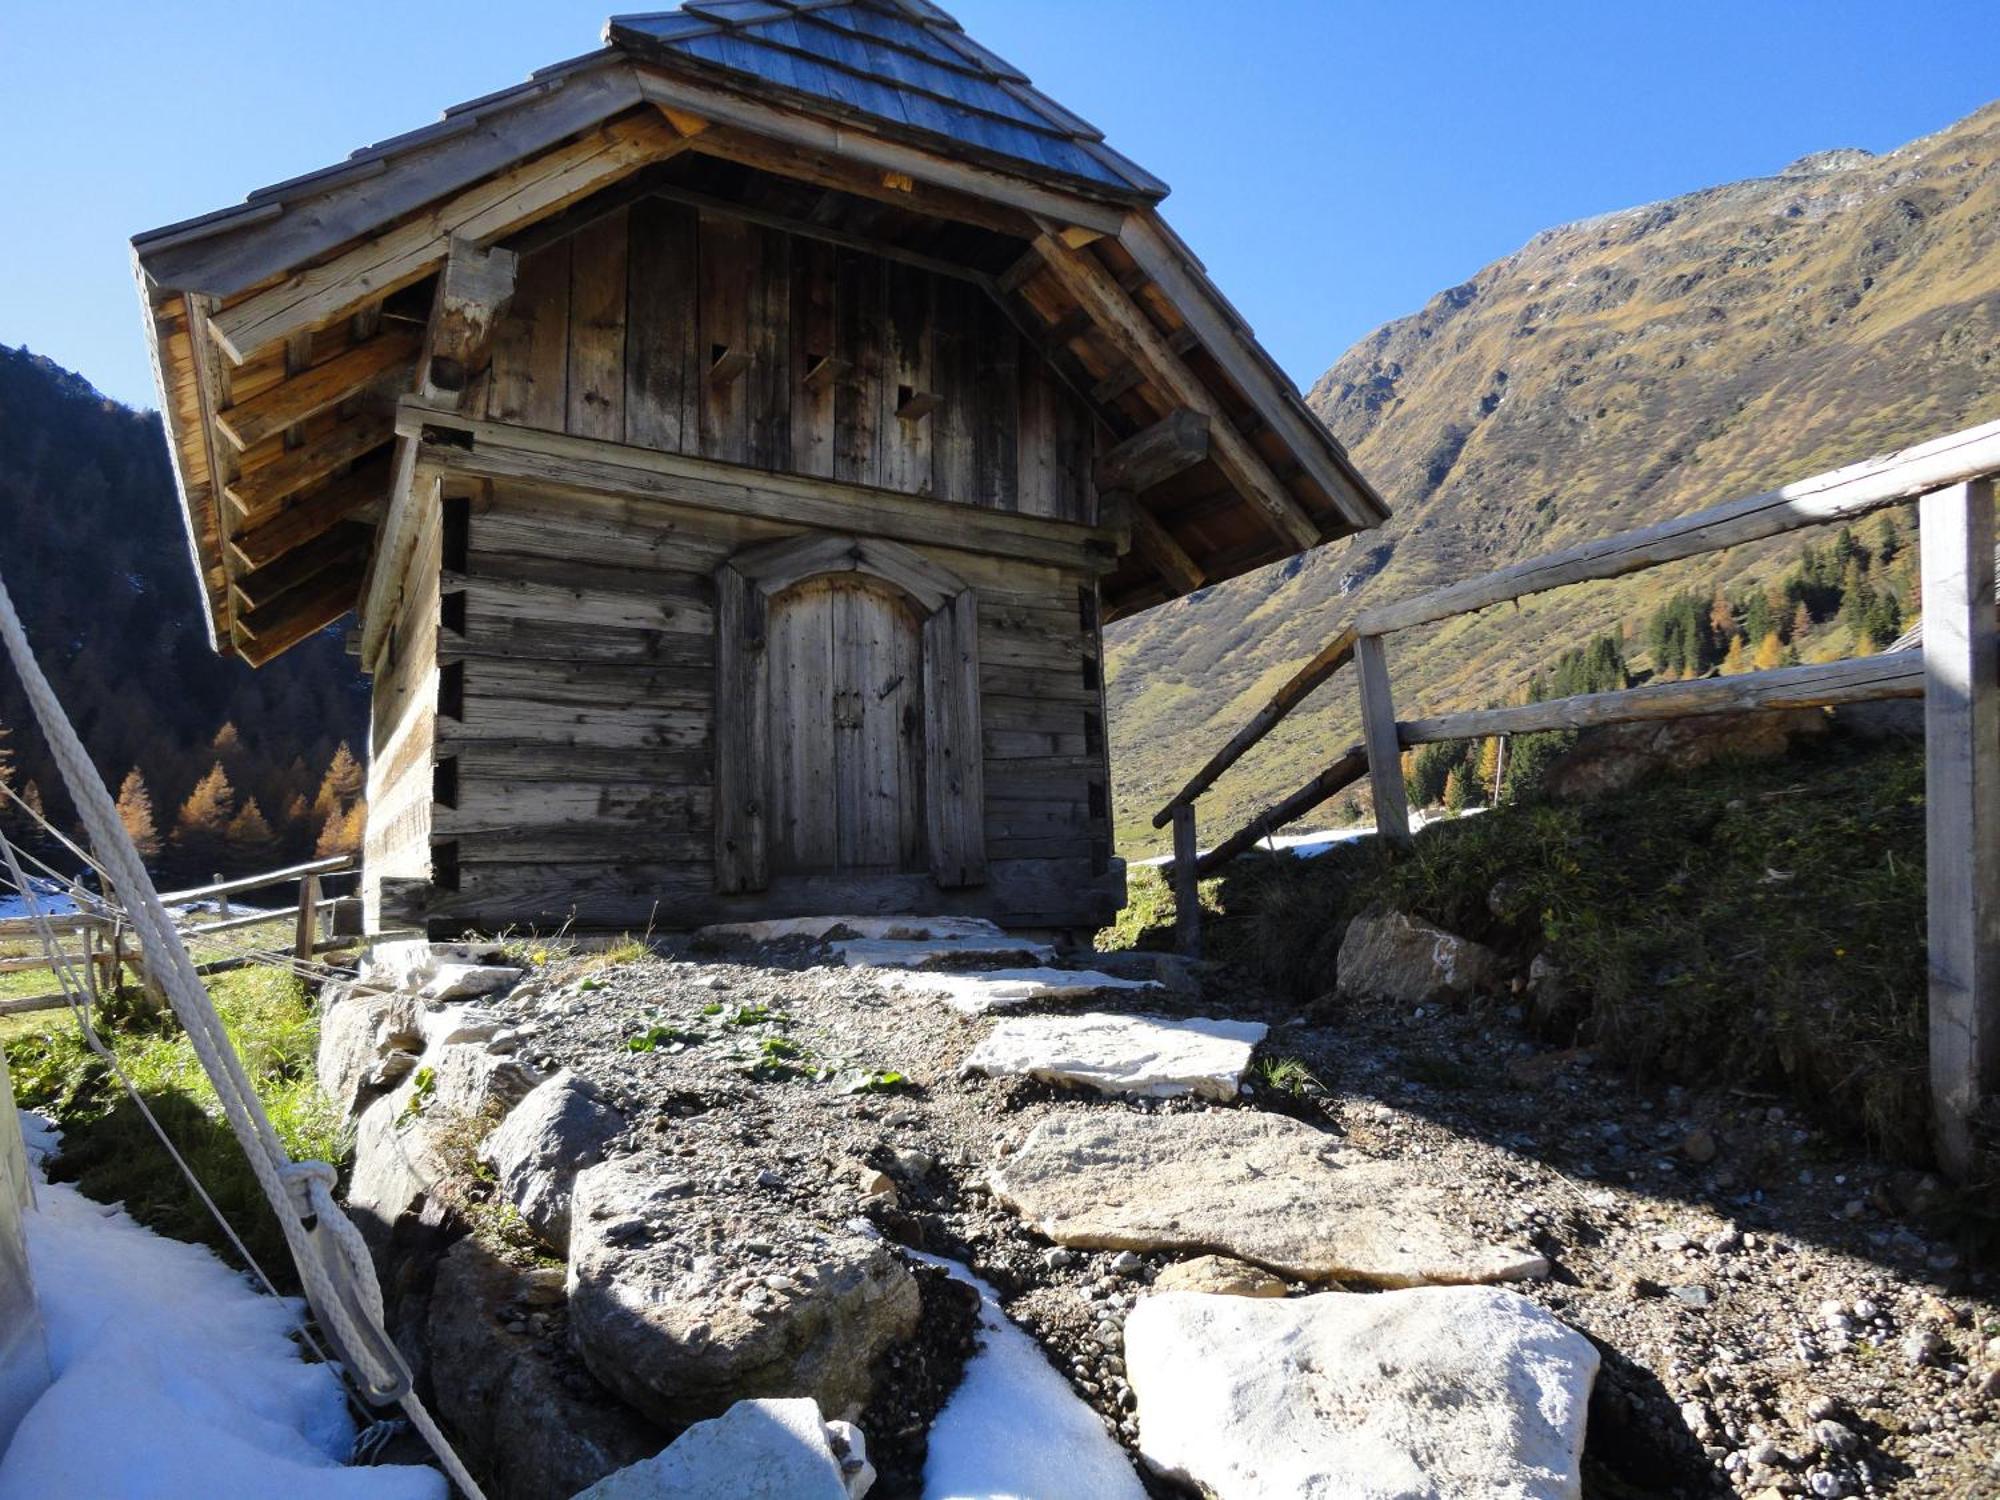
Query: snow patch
175	1380
1014	1430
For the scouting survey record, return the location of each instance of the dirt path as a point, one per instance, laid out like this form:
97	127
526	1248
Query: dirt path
1772	1313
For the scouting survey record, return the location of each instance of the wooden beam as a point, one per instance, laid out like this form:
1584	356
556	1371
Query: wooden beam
320	388
265	633
1349	767
841	142
416	248
1120	319
1840	495
256	588
1897	674
1167	557
1234	348
1127	375
1187	883
474	289
257	494
1962	814
310	516
1378	734
1178	441
1329	659
302	221
499	450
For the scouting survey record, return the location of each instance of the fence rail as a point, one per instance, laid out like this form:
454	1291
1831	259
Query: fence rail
1956	672
101	945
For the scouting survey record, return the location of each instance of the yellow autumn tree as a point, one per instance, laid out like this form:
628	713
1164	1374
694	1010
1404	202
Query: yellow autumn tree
1489	767
342	832
1735	659
1770	652
135	811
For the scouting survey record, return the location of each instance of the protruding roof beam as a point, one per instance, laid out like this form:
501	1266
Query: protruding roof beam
416	248
1167	557
256	494
353	494
1084	277
261	634
318	389
258	588
1177	442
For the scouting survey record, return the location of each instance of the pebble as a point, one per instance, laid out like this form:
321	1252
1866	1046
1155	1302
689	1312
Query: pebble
1058	1257
1834	1437
1125	1263
1699	1147
1691	1296
1825	1484
1923	1347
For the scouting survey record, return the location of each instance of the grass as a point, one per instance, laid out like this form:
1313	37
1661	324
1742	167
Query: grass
1755	924
110	1151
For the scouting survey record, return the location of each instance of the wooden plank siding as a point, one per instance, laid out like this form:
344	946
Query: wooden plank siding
575	724
693	331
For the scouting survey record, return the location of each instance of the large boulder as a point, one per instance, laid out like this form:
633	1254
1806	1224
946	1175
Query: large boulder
368	1042
1262	1188
757	1450
560	1128
1114	1054
1438	1391
442	971
534	1425
1394	956
684	1301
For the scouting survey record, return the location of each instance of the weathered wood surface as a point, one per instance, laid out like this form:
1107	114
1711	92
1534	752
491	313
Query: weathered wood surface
506	451
1329	659
1898	674
954	756
1094	289
1187	882
1842	494
1378	735
1347	768
714	332
1962	812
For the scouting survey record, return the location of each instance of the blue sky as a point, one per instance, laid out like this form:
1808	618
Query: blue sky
1333	163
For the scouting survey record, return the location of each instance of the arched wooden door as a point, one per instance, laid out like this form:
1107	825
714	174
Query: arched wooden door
844	687
847	723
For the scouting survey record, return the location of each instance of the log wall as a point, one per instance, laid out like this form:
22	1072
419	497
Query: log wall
691	331
575	726
402	729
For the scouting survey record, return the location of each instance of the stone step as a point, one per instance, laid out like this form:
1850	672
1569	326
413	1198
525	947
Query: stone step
976	992
1437	1391
1264	1188
924	953
1114	1054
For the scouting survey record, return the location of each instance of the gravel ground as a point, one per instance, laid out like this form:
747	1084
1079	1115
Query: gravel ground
1775	1316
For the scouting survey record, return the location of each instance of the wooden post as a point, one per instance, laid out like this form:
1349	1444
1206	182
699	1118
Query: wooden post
1187	882
89	935
307	931
1962	801
1378	735
222	898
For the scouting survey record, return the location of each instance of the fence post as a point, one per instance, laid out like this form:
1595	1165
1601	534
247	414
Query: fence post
1962	801
1187	882
222	897
1378	735
307	932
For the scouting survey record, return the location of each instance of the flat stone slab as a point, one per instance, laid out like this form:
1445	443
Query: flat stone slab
1262	1188
977	993
920	953
685	1297
1438	1391
1114	1054
817	929
757	1450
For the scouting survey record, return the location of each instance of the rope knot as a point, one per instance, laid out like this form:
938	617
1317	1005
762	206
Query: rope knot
309	1182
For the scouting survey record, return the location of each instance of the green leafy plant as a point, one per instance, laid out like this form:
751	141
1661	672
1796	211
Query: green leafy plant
657	1036
881	1081
1287	1075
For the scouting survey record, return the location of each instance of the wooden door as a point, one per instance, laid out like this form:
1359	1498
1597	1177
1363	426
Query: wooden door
846	724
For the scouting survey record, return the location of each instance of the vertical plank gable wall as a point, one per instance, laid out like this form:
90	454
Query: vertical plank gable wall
833	362
576	696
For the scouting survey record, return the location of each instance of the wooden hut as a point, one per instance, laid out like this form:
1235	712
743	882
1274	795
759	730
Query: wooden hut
733	442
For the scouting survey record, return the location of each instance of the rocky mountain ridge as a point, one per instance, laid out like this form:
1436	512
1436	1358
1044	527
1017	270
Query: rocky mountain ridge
1613	371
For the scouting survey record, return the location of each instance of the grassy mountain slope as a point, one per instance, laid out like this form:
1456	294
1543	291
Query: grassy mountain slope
1611	372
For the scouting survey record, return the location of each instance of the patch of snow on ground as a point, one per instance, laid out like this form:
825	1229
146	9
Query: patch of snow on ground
175	1380
1014	1430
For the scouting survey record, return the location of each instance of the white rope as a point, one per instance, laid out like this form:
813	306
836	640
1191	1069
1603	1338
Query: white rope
333	1262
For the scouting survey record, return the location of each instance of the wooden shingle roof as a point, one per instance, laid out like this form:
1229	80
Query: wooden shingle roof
899	65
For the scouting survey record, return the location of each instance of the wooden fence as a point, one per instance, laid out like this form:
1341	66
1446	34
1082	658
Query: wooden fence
101	945
1956	672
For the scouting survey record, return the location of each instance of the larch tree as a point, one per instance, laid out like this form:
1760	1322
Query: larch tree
201	827
341	787
135	811
249	833
1455	797
1770	653
342	832
1736	659
1489	767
